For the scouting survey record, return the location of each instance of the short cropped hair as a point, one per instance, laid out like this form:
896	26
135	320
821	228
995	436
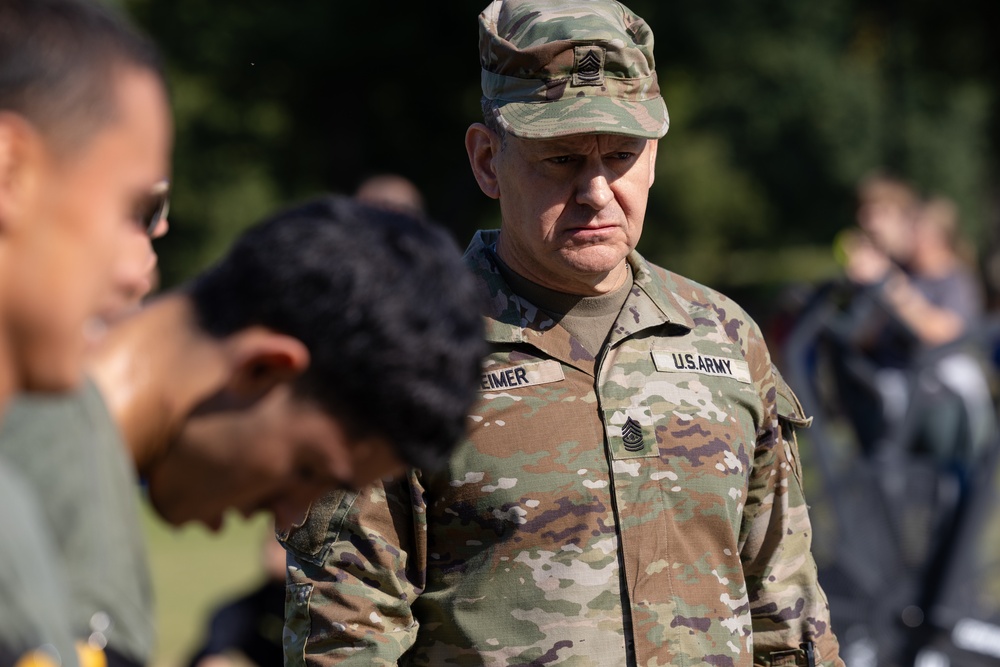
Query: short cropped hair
57	64
385	305
491	119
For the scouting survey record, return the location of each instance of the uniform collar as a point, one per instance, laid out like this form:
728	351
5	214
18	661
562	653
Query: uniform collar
511	319
663	305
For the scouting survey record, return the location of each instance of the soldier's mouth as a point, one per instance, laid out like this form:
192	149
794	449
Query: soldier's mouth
592	232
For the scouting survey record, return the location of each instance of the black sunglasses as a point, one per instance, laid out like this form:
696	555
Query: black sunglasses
154	207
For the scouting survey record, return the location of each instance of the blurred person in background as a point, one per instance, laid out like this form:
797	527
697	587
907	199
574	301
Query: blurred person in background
878	246
391	191
914	320
940	300
85	136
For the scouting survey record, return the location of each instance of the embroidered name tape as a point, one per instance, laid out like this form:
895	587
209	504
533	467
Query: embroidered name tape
692	362
525	375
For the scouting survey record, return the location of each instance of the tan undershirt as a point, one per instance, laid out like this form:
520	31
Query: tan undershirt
588	318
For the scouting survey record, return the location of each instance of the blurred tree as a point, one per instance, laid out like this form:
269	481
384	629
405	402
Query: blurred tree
796	102
778	108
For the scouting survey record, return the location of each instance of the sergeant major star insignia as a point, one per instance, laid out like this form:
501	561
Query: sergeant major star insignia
632	435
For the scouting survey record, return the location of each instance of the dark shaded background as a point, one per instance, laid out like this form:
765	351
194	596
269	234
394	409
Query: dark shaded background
778	108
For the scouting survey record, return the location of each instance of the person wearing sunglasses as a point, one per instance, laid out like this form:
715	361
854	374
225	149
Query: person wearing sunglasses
85	487
85	136
136	270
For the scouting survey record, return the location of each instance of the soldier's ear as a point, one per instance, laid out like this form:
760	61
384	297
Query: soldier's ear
483	145
653	143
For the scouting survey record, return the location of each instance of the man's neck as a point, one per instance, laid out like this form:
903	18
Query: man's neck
10	382
8	376
152	370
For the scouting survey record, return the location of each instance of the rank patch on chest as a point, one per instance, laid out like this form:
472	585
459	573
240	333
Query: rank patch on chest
632	435
524	375
692	362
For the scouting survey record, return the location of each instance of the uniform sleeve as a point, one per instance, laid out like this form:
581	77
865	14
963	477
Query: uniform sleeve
787	606
354	567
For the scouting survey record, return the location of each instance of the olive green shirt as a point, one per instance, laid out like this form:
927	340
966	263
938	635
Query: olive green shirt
32	588
73	454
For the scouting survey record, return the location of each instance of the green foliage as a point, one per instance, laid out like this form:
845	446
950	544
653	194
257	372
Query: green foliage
778	108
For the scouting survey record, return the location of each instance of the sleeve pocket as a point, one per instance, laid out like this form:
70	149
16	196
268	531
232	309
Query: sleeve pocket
310	541
297	623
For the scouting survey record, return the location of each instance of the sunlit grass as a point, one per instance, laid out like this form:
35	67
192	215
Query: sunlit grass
193	571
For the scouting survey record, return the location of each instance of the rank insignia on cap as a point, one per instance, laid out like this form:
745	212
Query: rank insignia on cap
589	70
632	435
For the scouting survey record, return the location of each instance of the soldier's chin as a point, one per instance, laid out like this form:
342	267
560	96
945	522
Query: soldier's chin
596	257
214	524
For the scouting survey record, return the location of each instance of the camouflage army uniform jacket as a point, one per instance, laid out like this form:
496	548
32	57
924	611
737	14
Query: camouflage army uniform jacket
659	466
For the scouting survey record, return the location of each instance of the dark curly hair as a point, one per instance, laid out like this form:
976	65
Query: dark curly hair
383	302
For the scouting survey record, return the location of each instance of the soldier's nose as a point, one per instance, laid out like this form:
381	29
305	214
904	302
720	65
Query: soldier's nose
594	191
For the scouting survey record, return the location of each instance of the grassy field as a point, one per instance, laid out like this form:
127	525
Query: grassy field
193	571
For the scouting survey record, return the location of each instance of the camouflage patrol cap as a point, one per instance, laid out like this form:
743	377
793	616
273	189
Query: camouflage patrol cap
558	67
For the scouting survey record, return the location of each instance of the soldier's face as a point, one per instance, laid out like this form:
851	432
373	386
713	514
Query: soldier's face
71	244
277	456
573	207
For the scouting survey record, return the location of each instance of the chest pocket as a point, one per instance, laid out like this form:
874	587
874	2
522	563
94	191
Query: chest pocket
533	447
688	408
697	412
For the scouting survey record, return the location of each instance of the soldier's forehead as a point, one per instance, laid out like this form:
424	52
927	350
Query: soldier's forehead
584	141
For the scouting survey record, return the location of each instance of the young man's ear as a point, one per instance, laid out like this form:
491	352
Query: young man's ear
20	150
262	359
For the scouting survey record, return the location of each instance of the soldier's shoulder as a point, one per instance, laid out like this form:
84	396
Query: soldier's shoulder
701	300
789	406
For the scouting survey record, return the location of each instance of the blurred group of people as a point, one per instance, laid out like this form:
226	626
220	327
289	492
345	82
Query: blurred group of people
913	337
893	359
